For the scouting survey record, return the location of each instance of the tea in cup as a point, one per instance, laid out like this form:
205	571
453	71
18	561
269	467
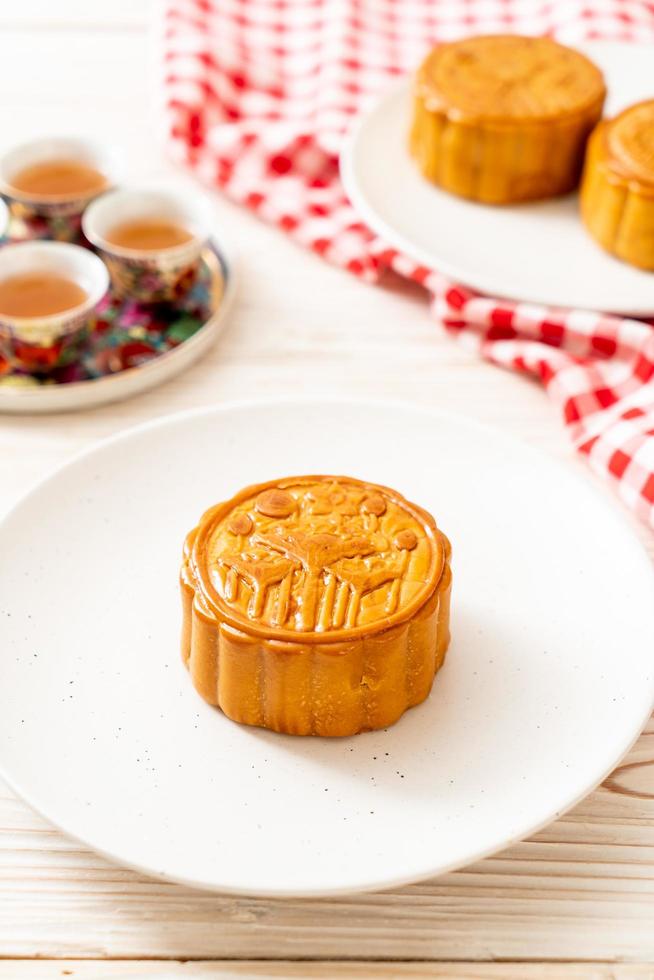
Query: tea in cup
48	183
48	292
151	241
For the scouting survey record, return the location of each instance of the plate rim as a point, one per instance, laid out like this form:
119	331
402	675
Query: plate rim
381	883
359	201
92	393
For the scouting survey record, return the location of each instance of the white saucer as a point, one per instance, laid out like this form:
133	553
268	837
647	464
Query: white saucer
538	253
549	678
50	398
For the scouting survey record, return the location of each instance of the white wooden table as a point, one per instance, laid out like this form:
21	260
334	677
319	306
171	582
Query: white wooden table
571	902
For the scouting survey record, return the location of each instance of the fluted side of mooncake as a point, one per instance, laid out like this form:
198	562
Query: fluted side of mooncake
506	119
617	189
328	689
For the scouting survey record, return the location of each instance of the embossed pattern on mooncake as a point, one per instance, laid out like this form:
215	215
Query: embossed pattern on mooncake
319	556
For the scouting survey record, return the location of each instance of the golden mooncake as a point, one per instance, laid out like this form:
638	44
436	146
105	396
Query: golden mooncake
315	605
504	118
617	189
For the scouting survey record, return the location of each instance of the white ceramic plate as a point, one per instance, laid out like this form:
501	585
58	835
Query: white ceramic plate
77	395
548	680
538	253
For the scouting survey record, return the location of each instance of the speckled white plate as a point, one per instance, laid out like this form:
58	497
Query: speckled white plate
538	253
549	678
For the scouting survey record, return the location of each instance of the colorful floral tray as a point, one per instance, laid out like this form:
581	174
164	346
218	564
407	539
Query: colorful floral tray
130	347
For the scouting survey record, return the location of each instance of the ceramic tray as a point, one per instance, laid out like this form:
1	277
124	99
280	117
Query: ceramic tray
131	346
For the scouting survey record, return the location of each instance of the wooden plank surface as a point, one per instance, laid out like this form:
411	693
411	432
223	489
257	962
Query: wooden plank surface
333	970
583	889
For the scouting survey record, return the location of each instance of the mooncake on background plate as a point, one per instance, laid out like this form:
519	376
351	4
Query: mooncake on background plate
504	118
617	190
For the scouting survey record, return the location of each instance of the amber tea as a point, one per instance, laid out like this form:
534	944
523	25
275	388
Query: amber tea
59	178
33	294
148	234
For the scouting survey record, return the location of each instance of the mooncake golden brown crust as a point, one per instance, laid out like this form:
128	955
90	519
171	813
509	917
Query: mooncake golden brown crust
617	189
315	605
504	118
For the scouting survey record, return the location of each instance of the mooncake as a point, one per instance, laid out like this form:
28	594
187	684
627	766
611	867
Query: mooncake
315	605
504	118
617	189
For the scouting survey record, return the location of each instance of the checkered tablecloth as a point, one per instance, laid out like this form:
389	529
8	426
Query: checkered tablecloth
258	95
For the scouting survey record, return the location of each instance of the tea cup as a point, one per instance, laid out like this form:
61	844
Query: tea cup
152	274
42	342
54	214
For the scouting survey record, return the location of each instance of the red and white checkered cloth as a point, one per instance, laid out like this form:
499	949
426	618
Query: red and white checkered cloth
258	95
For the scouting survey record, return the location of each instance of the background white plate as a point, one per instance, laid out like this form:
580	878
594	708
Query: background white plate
538	253
113	387
548	680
